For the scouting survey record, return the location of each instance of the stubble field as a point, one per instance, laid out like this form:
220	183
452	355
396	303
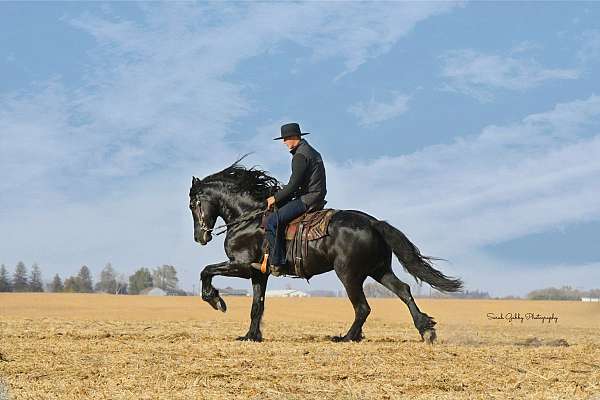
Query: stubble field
75	346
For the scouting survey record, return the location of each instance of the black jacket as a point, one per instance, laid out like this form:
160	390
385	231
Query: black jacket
308	177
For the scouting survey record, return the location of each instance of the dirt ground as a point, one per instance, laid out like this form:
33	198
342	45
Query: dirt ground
76	346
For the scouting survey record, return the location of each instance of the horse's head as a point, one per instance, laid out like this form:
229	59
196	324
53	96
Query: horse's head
227	194
204	212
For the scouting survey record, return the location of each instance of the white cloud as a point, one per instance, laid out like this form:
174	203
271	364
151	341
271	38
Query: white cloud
374	112
360	32
502	184
477	74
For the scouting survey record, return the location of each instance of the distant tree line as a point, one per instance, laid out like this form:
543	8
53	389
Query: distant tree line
563	293
21	281
374	289
466	294
163	277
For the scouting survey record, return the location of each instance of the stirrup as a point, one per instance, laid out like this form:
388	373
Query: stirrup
262	266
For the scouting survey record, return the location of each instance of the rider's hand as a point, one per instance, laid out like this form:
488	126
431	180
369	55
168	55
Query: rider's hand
270	202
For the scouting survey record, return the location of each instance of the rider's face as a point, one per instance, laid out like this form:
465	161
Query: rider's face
291	142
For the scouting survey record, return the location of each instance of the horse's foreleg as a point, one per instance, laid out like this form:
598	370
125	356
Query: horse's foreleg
259	287
209	293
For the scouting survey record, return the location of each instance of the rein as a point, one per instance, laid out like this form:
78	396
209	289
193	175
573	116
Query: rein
243	218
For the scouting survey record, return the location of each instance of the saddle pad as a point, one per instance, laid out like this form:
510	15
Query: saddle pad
316	222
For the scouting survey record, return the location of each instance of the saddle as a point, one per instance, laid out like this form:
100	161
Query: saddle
311	225
314	224
306	227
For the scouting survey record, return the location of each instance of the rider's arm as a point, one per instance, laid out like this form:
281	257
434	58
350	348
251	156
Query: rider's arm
299	166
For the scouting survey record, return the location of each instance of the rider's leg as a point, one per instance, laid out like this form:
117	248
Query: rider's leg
271	232
283	216
275	235
268	245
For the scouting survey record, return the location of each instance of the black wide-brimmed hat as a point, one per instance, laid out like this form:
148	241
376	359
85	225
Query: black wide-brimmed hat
288	130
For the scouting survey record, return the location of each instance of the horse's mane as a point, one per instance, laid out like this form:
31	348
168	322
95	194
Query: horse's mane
253	181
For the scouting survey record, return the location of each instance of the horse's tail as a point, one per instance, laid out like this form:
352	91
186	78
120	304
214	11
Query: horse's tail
413	261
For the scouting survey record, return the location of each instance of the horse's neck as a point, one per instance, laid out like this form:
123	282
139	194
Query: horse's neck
234	206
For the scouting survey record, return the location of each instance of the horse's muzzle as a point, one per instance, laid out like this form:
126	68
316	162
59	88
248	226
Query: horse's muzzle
204	238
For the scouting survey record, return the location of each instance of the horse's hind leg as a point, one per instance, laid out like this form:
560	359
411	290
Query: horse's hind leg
354	289
423	322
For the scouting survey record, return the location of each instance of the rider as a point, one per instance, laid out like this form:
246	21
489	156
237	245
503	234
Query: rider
305	191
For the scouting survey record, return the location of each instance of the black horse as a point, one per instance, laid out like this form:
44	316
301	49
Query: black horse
357	246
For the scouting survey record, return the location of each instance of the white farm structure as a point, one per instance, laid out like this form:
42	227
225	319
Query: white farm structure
153	292
591	299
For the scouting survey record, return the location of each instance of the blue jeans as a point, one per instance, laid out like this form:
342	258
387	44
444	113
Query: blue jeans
275	229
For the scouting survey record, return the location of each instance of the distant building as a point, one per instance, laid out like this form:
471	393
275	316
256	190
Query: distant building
322	293
591	299
154	291
229	291
286	293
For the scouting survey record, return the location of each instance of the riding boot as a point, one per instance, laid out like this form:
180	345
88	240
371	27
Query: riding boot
264	265
273	248
276	270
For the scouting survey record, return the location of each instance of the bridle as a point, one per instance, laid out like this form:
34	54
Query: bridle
223	228
242	218
203	225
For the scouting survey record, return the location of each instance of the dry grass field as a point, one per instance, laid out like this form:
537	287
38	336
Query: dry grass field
70	346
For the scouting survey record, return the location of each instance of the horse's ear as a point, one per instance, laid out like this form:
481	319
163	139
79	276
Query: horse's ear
193	180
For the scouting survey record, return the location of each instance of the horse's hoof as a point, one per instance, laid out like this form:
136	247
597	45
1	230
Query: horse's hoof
217	303
249	338
345	339
221	306
348	338
429	336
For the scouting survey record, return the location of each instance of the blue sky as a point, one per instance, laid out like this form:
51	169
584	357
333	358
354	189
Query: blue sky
473	127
